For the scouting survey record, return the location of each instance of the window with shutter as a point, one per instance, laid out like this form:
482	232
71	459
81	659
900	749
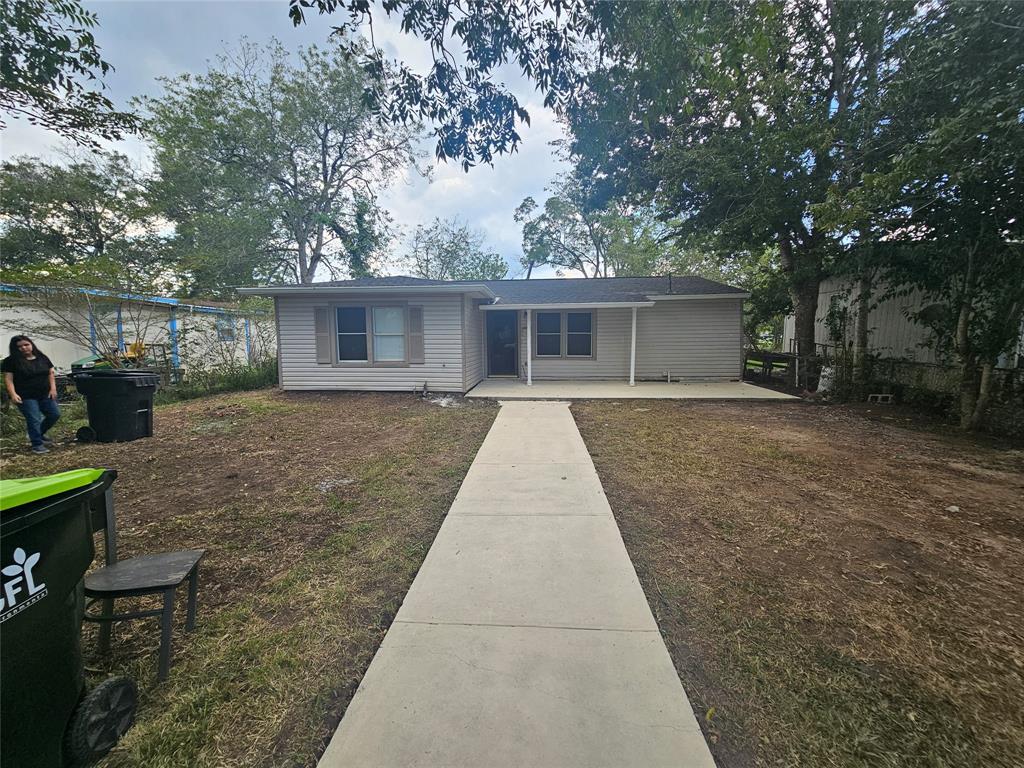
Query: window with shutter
322	333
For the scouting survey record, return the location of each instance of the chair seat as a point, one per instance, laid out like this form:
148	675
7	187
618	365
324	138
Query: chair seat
140	575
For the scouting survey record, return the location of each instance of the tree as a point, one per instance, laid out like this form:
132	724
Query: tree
449	250
92	207
475	117
271	170
48	55
569	233
758	273
947	197
735	118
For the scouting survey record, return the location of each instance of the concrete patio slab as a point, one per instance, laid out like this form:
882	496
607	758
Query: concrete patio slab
525	639
513	389
508	697
552	571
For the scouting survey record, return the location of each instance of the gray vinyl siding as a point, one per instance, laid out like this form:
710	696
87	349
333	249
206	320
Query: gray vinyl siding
692	339
473	343
697	339
441	370
611	350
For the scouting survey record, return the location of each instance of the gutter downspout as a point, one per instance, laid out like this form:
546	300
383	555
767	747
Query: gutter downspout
173	333
120	331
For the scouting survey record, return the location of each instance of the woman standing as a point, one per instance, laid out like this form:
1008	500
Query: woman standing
30	383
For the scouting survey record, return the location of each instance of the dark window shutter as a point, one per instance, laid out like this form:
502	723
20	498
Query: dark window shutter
415	334
322	330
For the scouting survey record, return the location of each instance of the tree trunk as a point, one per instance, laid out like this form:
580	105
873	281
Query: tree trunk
962	341
860	345
804	284
984	390
968	393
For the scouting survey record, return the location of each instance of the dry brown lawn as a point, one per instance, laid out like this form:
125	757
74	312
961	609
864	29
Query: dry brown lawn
834	590
316	511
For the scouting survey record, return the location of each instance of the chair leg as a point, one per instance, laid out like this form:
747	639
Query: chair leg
106	628
193	591
166	623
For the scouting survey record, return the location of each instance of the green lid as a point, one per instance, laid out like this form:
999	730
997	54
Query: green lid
14	493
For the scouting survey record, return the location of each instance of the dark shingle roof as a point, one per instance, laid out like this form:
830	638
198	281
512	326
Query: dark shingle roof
598	290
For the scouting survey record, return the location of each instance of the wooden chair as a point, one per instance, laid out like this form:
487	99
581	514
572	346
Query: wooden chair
155	574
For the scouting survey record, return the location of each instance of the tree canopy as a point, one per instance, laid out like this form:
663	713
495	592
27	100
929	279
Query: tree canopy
450	250
270	169
49	63
475	116
91	208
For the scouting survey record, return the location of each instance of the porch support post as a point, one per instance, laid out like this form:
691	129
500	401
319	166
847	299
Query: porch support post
632	352
529	348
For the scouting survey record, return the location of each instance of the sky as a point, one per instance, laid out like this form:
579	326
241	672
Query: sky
148	39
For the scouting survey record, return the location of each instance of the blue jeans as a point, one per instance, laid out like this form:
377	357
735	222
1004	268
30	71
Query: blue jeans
40	415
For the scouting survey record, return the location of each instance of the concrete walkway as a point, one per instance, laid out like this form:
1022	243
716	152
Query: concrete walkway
525	639
514	389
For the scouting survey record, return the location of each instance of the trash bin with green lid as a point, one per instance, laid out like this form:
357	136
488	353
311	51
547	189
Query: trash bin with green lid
119	403
46	546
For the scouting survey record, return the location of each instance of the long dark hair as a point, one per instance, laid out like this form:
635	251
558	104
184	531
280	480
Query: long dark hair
16	356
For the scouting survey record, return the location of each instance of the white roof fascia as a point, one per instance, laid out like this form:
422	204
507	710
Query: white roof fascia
590	305
692	296
318	290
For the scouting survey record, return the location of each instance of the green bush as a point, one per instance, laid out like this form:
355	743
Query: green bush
210	382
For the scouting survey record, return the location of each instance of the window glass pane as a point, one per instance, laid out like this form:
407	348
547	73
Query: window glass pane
549	322
388	348
352	346
549	344
388	320
577	344
577	322
351	320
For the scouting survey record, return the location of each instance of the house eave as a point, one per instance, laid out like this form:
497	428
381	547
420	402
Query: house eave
562	305
350	290
694	296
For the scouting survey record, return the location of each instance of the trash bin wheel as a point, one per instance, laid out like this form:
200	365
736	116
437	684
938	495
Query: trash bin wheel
86	435
102	717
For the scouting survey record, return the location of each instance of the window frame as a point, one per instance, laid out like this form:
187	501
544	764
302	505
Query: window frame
225	327
368	307
589	333
537	334
563	336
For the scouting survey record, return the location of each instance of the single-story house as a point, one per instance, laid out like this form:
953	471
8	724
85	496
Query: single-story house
404	333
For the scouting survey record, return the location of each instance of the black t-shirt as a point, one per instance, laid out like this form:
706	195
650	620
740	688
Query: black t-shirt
32	379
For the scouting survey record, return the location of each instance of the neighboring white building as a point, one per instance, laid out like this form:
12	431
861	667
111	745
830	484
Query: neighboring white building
891	333
403	333
189	335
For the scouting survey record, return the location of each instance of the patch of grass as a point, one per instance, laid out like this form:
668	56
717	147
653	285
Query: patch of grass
834	591
311	546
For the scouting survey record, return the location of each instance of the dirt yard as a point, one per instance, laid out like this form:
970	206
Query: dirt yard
316	512
835	589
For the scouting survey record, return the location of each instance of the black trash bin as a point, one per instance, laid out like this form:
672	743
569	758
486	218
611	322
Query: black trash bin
119	403
46	546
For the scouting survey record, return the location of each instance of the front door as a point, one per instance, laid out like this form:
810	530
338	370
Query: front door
502	343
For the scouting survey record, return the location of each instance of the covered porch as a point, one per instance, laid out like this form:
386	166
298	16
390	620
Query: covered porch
517	389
